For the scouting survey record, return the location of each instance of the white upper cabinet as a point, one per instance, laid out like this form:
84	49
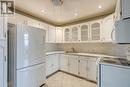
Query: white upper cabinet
95	30
20	19
1	28
108	28
67	34
59	35
33	23
75	33
52	34
84	32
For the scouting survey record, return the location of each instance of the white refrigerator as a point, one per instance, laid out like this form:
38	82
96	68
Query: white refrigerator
26	56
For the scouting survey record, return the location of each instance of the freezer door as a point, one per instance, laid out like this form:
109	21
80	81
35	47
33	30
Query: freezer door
30	46
31	76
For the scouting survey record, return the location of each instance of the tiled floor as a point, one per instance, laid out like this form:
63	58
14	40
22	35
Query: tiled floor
61	79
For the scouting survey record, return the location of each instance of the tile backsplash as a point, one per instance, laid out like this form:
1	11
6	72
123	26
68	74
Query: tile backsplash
101	48
104	48
49	47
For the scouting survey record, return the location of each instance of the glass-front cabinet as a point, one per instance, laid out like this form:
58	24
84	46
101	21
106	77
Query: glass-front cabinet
75	33
84	32
95	30
67	34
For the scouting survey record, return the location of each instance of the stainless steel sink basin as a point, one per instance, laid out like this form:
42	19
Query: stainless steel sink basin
110	61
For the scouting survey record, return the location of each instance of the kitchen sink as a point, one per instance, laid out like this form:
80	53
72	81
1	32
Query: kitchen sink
110	61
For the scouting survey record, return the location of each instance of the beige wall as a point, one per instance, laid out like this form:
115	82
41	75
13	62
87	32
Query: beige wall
104	48
53	47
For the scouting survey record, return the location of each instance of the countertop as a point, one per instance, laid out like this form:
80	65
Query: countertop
83	54
124	63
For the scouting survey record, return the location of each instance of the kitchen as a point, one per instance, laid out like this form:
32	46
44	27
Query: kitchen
63	43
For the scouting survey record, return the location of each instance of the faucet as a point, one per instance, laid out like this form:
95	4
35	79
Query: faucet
73	50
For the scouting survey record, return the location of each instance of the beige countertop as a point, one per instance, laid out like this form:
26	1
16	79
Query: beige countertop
83	54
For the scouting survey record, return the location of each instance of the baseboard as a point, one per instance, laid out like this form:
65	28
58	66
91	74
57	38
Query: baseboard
78	76
52	74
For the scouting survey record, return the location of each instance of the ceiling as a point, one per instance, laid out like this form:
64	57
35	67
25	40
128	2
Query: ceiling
70	11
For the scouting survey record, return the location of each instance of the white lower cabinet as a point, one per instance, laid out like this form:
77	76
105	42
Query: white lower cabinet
78	65
73	64
52	63
64	62
87	68
48	65
91	69
55	62
83	68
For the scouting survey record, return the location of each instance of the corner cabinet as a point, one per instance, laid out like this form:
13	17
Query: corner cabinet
108	29
95	30
84	32
59	35
52	64
52	34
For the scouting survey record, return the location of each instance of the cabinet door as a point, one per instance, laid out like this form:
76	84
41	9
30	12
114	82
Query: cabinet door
20	19
67	35
55	62
1	66
75	33
73	64
1	28
48	65
84	30
33	23
64	62
83	68
108	26
52	34
91	70
95	31
59	35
